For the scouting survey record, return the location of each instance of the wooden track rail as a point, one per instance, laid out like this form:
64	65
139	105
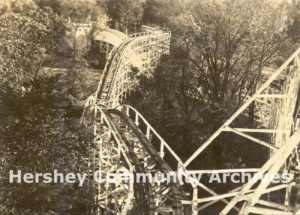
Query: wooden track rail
126	143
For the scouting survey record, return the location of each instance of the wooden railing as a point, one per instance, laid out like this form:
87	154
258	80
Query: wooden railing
151	131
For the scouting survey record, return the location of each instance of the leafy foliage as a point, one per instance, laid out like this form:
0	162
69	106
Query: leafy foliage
37	139
219	49
42	144
228	43
159	11
125	12
27	37
80	11
34	136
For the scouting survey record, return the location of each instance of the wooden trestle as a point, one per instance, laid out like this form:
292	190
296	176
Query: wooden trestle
124	146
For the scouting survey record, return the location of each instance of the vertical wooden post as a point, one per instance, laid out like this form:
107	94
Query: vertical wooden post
177	207
109	133
297	202
161	152
194	201
137	119
152	205
148	132
101	119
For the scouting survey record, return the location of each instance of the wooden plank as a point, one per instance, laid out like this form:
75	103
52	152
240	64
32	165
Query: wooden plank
275	96
214	193
218	171
258	130
217	197
264	211
261	142
274	205
231	194
215	201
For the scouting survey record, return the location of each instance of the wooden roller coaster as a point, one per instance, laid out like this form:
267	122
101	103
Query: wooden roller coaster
127	143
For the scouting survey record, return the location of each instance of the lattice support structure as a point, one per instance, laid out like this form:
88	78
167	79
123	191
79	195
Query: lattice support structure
135	57
109	157
122	141
283	148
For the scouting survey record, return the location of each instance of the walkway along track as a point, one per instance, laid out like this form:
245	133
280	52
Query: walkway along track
164	197
123	147
110	70
150	198
143	192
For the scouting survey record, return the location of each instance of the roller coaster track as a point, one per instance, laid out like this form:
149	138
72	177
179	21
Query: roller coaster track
127	143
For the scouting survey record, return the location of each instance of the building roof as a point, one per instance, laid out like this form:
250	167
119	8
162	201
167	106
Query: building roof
111	36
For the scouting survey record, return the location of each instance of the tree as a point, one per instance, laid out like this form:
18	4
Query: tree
80	11
292	10
84	19
34	137
294	20
39	141
231	43
218	51
159	11
27	37
125	13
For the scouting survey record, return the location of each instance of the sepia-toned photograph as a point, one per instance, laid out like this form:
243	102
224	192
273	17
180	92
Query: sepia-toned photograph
149	107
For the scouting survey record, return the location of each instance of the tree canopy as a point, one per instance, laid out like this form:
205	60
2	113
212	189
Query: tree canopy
125	12
28	35
218	52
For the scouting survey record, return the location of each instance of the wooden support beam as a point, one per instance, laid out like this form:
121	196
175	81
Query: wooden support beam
218	197
218	171
264	211
247	194
261	142
258	130
272	166
215	194
274	205
207	205
195	202
275	96
287	149
215	201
